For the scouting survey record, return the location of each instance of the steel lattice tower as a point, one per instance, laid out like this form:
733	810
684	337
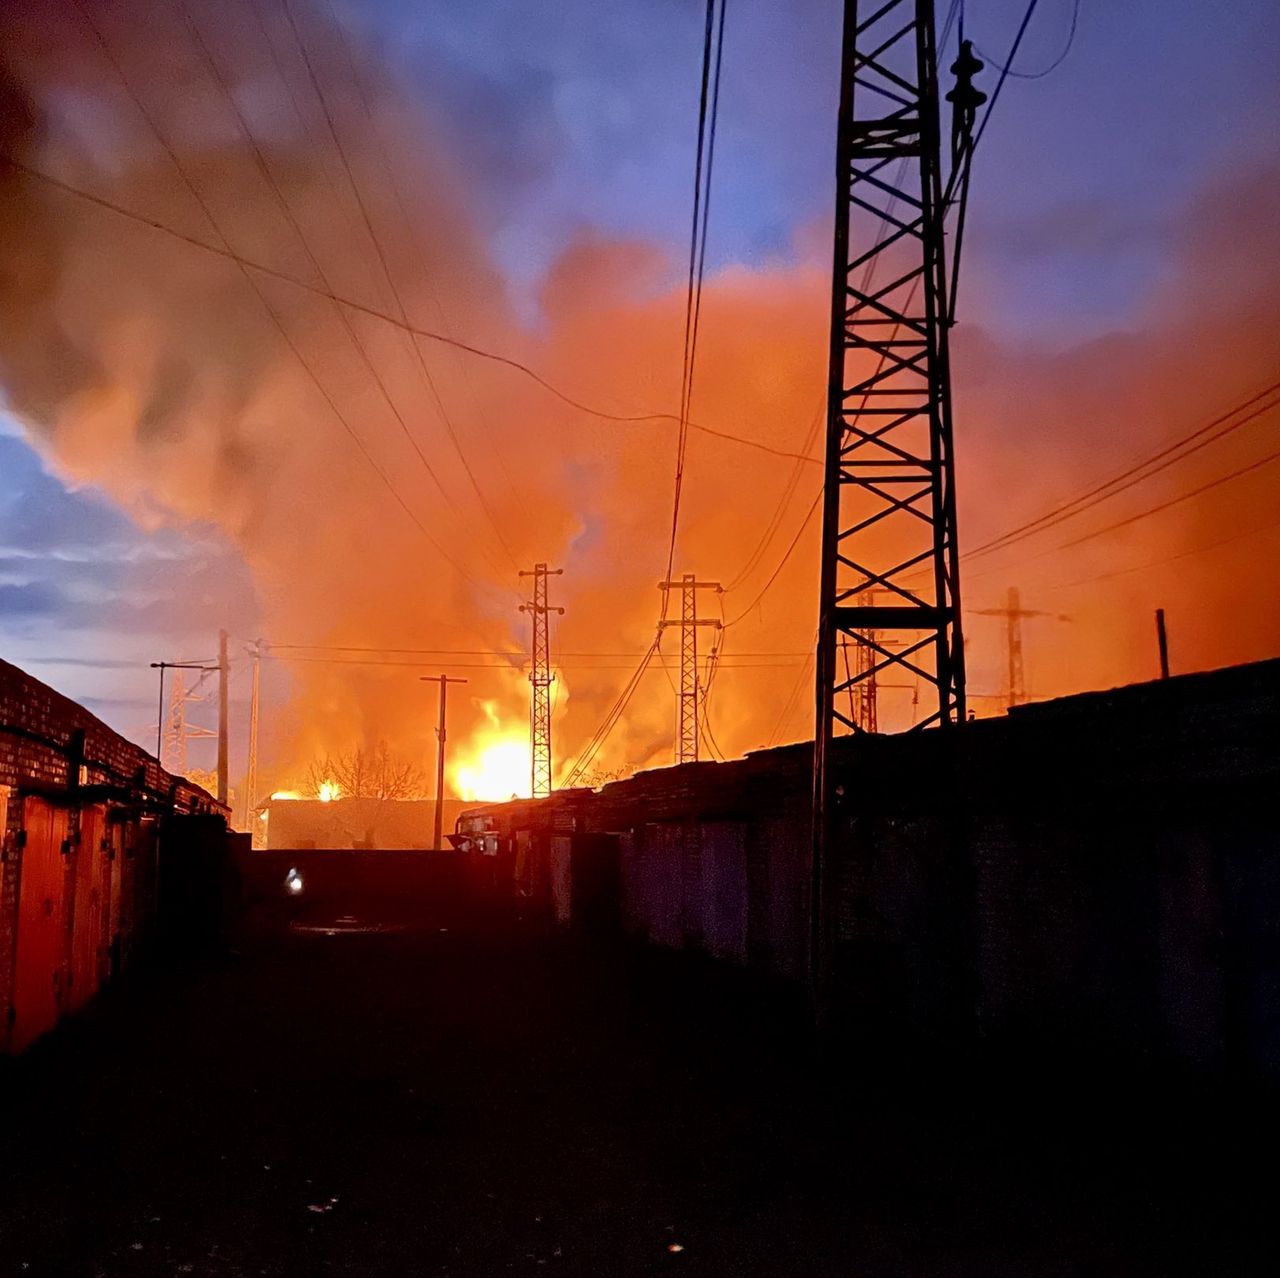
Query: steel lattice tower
1014	614
690	692
865	682
177	731
173	754
1013	643
541	677
889	522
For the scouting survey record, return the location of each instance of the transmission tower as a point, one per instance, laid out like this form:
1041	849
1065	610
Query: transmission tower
690	693
866	679
1013	643
1014	614
177	731
541	677
173	751
889	523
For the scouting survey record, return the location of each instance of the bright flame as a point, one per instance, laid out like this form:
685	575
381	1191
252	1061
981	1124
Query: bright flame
329	790
497	764
286	794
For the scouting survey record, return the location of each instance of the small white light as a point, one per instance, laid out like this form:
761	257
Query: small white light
293	881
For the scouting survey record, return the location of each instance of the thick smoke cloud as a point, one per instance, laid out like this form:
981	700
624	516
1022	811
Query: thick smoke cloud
192	390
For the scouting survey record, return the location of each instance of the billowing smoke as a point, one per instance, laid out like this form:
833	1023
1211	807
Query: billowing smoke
385	493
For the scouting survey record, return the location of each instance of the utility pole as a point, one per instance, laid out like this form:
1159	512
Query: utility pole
687	739
541	678
1162	639
1014	614
251	764
224	667
443	681
889	502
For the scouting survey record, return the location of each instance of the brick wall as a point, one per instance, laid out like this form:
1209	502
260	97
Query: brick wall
56	756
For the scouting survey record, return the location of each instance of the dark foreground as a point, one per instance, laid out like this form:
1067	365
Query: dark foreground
450	1104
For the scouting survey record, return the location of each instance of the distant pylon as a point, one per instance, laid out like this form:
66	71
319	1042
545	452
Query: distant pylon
177	731
541	677
1017	678
173	753
865	697
687	736
866	677
1013	613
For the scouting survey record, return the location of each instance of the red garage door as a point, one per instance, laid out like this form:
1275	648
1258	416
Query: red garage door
90	936
40	970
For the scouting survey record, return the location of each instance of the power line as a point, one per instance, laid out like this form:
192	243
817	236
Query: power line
386	271
471	652
1138	472
273	186
1174	501
1004	73
697	252
362	92
601	734
276	319
1007	67
693	303
714	660
806	673
1167	559
780	510
363	308
873	259
782	563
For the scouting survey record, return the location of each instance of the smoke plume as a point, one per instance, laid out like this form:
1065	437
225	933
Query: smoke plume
384	492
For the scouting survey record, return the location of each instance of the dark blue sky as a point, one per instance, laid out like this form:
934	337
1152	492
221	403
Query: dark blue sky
579	115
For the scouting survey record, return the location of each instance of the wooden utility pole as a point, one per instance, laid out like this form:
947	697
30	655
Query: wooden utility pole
251	764
1162	639
443	681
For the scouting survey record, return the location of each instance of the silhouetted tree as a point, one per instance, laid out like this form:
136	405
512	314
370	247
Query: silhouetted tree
368	774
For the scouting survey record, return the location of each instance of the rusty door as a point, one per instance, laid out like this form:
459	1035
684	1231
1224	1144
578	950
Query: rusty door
91	934
40	967
86	914
125	839
113	869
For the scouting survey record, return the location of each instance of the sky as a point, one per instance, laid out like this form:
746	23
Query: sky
558	127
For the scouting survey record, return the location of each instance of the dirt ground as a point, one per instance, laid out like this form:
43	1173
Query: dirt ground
448	1103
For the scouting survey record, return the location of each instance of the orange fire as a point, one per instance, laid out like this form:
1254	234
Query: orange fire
496	764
